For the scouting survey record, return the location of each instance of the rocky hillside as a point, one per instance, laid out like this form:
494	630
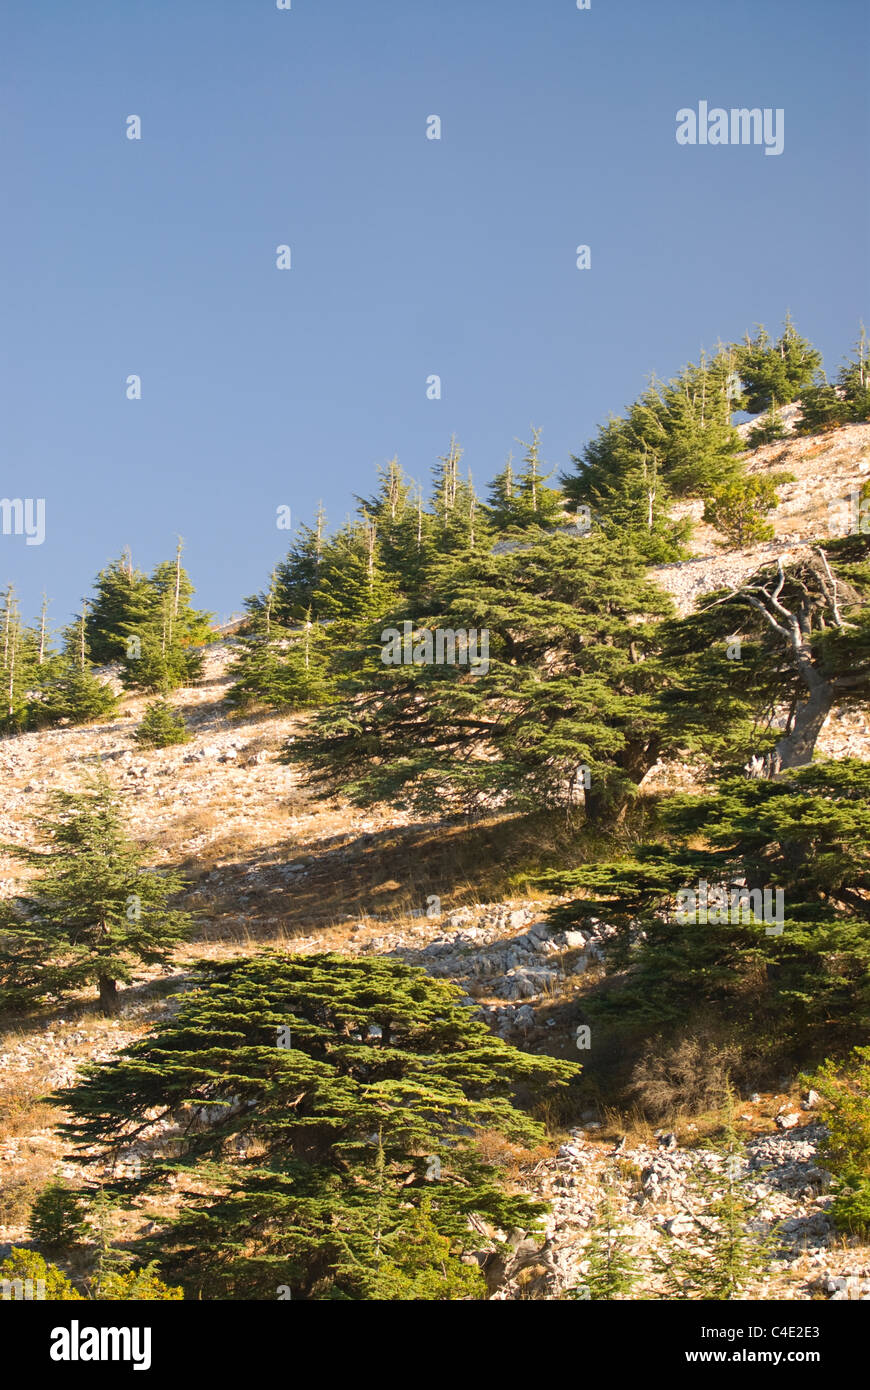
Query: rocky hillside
268	865
826	469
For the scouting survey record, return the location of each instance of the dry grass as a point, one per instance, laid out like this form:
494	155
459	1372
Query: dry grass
514	1160
22	1109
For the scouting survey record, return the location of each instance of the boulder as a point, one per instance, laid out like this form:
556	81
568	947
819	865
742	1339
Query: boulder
788	1119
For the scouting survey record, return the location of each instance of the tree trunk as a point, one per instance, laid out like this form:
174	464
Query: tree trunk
601	807
108	994
796	748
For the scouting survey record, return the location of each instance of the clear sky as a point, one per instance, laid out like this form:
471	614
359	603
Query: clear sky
410	257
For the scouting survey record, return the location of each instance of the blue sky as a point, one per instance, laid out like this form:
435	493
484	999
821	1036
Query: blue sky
263	388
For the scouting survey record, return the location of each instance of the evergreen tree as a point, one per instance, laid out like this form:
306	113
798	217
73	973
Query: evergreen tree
501	500
256	667
803	982
161	726
306	678
734	1256
113	1279
163	633
412	1261
92	912
822	407
612	1268
459	524
676	440
57	1216
402	528
769	429
621	479
813	623
419	1264
568	687
310	1157
702	448
19	667
121	594
136	1286
66	688
71	694
353	594
295	578
828	405
279	668
755	673
524	500
775	372
853	380
353	589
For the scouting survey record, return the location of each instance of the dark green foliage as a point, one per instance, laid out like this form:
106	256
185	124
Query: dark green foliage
850	1208
823	408
161	726
416	1263
280	668
19	667
769	428
69	693
40	687
353	588
676	440
57	1216
853	379
701	446
806	987
620	479
162	633
121	593
92	912
522	500
569	623
291	591
304	1163
775	371
459	523
161	667
846	400
403	527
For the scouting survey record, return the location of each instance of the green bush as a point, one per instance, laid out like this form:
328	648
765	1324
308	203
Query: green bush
135	1286
845	1110
28	1264
845	1092
738	508
850	1208
56	1217
161	727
